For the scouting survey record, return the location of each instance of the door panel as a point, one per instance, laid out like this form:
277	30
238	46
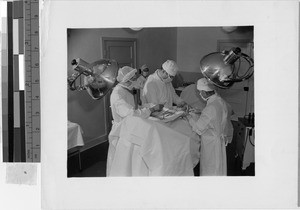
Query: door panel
123	50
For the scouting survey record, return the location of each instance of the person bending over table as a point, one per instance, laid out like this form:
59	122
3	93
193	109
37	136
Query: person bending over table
215	128
158	88
122	100
123	103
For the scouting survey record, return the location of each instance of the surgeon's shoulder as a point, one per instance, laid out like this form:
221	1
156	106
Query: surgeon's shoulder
150	81
118	91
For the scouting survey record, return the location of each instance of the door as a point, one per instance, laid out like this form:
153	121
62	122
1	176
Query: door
123	50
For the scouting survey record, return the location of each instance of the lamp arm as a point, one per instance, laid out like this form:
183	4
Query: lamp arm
248	73
250	61
71	82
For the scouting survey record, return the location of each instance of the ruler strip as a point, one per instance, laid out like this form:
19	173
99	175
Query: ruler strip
10	84
32	82
22	126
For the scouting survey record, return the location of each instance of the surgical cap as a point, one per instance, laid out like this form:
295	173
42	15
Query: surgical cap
125	73
144	68
204	84
170	67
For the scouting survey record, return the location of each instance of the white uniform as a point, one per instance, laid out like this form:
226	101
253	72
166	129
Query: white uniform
216	131
122	105
158	92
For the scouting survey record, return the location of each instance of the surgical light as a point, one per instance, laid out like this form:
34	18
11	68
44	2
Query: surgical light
220	67
101	73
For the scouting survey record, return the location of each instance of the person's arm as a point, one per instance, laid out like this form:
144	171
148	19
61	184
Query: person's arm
202	124
176	99
124	109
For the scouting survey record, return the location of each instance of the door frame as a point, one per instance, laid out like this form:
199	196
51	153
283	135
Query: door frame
121	39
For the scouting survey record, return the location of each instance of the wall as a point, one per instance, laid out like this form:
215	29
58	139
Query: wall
156	45
195	42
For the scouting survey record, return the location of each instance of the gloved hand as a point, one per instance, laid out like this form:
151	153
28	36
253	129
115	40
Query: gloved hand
191	121
194	116
181	104
195	111
157	108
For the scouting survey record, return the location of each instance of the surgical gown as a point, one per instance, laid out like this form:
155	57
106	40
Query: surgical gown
158	92
216	131
122	105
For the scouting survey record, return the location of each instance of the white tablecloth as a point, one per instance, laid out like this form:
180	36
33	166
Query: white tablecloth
74	135
145	147
182	126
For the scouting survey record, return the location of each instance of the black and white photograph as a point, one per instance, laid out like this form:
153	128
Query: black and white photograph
161	101
149	104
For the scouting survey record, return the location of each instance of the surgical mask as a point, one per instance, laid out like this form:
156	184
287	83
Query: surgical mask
145	74
130	87
133	84
167	80
205	99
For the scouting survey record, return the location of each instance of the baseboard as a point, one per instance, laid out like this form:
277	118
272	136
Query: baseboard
87	158
93	142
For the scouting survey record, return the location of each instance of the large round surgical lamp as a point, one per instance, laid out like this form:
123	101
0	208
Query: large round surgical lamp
220	67
101	75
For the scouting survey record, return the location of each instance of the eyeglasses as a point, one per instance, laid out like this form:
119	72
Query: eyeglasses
170	76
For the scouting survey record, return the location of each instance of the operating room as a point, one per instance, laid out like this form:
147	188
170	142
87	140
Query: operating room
153	146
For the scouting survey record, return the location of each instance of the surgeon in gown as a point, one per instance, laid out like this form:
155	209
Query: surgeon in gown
215	128
158	88
123	104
